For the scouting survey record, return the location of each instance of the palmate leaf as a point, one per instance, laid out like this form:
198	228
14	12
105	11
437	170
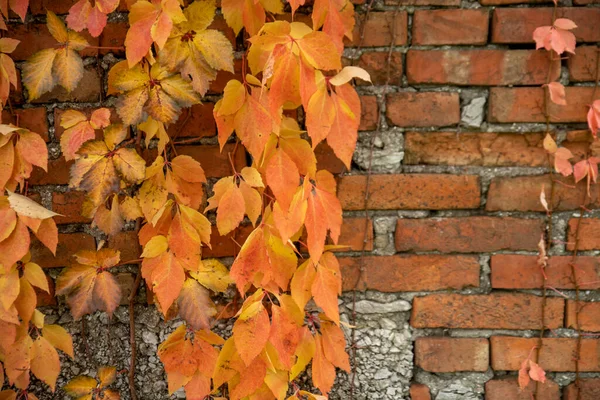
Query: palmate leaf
150	22
189	359
195	51
87	284
158	92
249	14
63	65
101	166
83	15
8	72
20	151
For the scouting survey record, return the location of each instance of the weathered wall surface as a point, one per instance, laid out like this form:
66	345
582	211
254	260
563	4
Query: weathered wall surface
450	299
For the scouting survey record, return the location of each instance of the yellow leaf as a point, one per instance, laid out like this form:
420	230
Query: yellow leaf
234	96
252	177
45	364
59	338
216	49
35	275
130	165
80	386
347	74
107	376
37	73
213	275
68	68
38	319
56	27
156	246
9	288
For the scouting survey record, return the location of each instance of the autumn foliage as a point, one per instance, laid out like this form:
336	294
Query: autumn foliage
285	314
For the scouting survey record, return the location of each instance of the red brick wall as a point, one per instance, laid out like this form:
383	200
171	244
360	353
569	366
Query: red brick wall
467	194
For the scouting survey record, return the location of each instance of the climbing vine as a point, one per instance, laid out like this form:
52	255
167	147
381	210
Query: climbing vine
285	314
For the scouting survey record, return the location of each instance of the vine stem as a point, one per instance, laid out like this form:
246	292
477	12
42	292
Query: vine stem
368	179
134	289
549	222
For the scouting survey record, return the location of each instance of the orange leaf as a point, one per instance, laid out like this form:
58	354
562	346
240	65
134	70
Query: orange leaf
327	286
285	335
251	335
282	177
334	345
323	372
195	305
557	93
45	364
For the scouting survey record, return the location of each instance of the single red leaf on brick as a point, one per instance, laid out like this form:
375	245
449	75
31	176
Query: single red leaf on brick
536	372
523	374
561	161
554	38
557	93
565	24
593	118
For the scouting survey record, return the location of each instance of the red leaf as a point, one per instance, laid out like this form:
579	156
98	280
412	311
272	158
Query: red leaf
557	93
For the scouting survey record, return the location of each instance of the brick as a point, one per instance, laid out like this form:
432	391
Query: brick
375	63
445	354
197	121
378	30
419	392
516	25
45	299
589	389
410	273
527	105
113	36
522	194
217	86
369	113
589	315
513	271
582	65
37	37
125	281
33	119
353	234
68	244
436	27
423	109
58	173
127	243
508	389
87	91
226	246
589	234
70	205
487	149
557	354
214	161
326	159
492	311
410	191
468	234
479	67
